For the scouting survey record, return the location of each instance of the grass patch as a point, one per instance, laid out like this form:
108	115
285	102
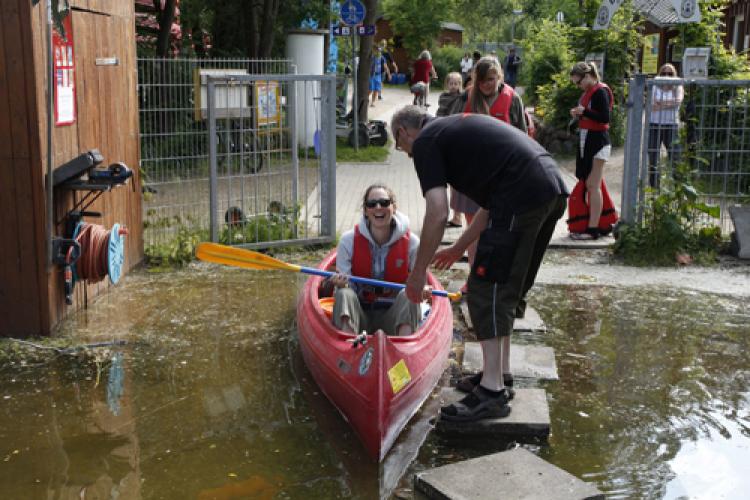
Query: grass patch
370	154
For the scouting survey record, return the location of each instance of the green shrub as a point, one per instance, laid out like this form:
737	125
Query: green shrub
547	53
445	60
670	226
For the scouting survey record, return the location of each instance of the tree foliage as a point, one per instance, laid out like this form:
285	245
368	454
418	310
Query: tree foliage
416	21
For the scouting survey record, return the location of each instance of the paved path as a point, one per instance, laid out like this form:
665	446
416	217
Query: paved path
398	173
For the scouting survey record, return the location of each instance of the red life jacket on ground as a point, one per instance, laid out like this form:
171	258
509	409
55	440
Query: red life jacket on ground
500	109
585	101
396	263
578	210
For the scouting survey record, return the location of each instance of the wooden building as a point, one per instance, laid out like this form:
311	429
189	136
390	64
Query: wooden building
100	65
737	27
450	34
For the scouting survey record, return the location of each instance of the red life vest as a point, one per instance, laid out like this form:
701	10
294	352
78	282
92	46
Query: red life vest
578	210
585	101
396	263
500	109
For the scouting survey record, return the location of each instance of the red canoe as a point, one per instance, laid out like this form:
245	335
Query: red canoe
377	387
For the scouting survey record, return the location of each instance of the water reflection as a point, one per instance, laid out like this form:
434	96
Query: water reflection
210	398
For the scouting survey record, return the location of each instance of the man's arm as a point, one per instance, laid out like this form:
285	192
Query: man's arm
433	227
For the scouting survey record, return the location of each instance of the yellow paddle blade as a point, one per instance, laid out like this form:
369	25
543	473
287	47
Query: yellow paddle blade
239	257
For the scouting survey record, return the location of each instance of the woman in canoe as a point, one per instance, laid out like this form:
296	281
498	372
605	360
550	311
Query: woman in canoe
381	247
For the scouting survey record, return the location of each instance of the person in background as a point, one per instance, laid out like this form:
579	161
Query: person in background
466	64
376	75
380	247
663	122
522	194
593	113
450	102
475	57
390	64
511	65
423	72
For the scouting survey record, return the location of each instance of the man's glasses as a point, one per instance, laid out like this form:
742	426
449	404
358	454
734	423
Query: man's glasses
667	73
383	202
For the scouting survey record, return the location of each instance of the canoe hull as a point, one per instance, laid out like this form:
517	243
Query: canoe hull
377	387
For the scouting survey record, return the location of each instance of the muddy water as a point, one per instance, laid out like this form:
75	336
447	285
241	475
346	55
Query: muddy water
210	399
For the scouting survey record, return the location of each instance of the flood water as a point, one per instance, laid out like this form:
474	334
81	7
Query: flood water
209	398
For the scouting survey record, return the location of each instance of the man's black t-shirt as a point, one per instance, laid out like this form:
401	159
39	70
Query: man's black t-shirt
488	160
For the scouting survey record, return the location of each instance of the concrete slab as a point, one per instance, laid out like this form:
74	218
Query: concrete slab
529	417
531	322
511	475
565	241
526	361
741	220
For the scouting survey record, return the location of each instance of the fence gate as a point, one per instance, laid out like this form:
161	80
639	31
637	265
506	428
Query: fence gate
271	158
705	130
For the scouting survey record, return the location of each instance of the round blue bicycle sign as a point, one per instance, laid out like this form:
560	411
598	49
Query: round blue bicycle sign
352	12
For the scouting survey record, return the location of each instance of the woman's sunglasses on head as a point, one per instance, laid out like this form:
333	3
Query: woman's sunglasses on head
383	202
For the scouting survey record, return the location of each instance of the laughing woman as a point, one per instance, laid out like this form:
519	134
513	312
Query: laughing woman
381	247
593	114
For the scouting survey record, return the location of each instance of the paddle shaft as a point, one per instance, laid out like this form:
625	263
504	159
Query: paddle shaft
365	281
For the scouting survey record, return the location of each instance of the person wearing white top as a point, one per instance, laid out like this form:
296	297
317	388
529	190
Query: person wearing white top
663	122
466	65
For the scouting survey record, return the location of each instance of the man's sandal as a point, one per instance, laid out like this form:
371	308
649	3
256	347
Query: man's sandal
477	405
468	383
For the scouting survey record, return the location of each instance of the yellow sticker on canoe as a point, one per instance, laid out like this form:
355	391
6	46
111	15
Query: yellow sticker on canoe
399	376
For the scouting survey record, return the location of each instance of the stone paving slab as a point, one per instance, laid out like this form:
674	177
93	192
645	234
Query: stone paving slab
529	417
526	361
511	475
531	322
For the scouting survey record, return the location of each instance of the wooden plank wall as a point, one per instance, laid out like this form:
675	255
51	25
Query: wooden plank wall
23	298
107	120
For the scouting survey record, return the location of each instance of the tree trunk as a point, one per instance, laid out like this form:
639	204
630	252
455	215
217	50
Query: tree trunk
166	18
270	13
365	56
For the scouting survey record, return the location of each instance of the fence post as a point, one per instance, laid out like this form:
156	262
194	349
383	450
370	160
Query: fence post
213	202
633	146
328	157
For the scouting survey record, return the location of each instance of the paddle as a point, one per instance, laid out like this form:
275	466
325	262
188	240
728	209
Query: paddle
248	259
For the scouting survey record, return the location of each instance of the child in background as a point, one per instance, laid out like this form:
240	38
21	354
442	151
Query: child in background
452	101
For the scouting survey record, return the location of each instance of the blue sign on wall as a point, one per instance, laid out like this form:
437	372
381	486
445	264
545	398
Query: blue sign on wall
352	12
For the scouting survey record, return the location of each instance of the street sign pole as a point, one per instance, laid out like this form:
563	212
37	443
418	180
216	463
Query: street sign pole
352	14
355	99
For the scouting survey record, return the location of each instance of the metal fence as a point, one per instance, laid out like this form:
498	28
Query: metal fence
697	126
255	159
272	158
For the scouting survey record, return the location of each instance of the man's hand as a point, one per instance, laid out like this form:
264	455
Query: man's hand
415	285
446	257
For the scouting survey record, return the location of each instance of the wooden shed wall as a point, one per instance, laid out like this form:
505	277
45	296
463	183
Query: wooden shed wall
31	294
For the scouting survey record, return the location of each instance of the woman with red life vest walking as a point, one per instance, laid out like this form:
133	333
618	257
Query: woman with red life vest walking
594	149
380	246
488	95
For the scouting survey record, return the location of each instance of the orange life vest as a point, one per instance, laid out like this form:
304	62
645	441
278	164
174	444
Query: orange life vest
396	263
578	210
585	101
500	109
